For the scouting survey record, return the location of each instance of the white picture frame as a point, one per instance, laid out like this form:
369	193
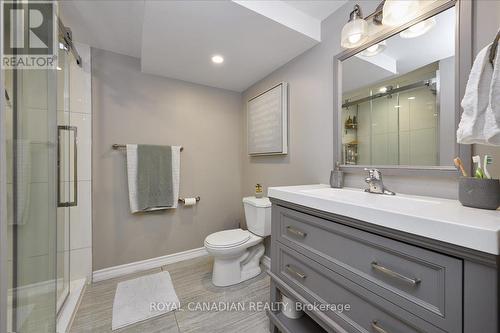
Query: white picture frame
267	122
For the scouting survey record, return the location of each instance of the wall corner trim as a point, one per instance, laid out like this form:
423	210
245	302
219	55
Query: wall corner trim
138	266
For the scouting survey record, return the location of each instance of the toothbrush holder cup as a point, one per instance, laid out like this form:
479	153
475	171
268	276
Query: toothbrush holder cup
479	193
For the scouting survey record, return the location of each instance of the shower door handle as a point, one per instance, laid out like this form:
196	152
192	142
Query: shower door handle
74	202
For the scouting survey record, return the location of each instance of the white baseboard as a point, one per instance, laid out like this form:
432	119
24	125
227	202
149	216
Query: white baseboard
143	265
266	262
68	310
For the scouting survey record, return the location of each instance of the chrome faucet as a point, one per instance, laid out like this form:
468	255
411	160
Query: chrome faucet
375	183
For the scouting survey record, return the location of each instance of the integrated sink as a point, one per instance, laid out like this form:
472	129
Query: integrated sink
441	219
357	196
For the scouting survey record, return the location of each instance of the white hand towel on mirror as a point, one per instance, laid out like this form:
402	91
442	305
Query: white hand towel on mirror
475	101
492	116
132	177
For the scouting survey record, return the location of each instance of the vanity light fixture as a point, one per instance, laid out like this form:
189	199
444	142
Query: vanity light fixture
418	29
374	49
397	12
355	32
217	59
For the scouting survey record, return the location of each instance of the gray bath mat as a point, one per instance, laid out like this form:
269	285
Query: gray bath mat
143	298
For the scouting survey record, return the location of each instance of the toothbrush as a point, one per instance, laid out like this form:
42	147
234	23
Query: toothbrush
487	160
479	171
460	166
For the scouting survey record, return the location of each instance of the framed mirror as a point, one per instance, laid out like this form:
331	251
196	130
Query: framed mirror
397	101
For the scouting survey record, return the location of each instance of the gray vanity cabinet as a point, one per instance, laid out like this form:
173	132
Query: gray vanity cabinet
392	281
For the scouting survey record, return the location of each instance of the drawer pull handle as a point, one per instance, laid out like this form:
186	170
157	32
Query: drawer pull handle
393	274
296	232
377	328
291	270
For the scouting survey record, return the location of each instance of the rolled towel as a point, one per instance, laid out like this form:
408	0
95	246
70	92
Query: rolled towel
492	116
475	101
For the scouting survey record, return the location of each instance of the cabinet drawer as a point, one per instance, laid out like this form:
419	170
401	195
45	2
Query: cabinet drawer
368	312
422	282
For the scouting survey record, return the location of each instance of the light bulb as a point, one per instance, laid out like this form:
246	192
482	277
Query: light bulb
418	29
354	38
374	49
397	12
354	33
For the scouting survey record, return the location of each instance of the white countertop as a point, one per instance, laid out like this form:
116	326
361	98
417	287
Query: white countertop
441	219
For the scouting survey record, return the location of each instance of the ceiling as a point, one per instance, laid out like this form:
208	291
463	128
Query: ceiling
177	39
317	9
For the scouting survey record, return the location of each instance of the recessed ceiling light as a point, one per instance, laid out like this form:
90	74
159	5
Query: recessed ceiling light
412	97
217	59
383	90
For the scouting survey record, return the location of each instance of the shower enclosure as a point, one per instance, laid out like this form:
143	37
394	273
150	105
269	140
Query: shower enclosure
40	161
395	122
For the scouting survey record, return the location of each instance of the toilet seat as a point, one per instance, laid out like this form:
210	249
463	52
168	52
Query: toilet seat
228	238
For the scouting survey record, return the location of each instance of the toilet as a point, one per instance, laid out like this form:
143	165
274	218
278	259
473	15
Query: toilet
237	252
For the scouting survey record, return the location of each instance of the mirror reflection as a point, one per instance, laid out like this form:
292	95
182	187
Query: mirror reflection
398	98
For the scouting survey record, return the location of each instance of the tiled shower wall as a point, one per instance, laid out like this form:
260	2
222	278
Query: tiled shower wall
76	111
80	113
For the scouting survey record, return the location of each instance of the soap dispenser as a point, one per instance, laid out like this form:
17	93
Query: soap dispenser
337	177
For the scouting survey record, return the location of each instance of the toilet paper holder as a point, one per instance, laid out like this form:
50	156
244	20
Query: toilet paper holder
183	200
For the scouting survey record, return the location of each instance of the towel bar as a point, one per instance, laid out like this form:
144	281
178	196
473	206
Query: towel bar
183	200
120	146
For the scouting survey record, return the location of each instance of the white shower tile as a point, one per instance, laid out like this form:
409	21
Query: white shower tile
35	83
39	162
81	217
422	109
34	125
423	147
34	224
404	148
83	122
364	150
80	83
379	149
81	264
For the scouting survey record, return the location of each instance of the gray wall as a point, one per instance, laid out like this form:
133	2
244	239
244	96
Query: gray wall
311	142
132	107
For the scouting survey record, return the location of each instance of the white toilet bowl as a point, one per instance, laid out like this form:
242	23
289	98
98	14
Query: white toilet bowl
237	255
237	252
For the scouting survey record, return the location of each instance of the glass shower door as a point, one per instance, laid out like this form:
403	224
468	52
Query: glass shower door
66	194
31	141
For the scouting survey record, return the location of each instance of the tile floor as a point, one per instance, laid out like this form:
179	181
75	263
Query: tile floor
192	283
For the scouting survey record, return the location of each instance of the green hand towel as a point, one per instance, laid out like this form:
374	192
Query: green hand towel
154	177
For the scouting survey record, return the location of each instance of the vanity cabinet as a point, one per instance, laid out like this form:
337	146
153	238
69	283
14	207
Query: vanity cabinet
369	278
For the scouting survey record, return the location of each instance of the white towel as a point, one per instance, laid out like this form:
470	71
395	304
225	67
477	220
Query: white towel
475	101
492	116
480	121
132	177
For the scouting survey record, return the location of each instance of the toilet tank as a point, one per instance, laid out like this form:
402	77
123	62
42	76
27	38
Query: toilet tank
258	215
